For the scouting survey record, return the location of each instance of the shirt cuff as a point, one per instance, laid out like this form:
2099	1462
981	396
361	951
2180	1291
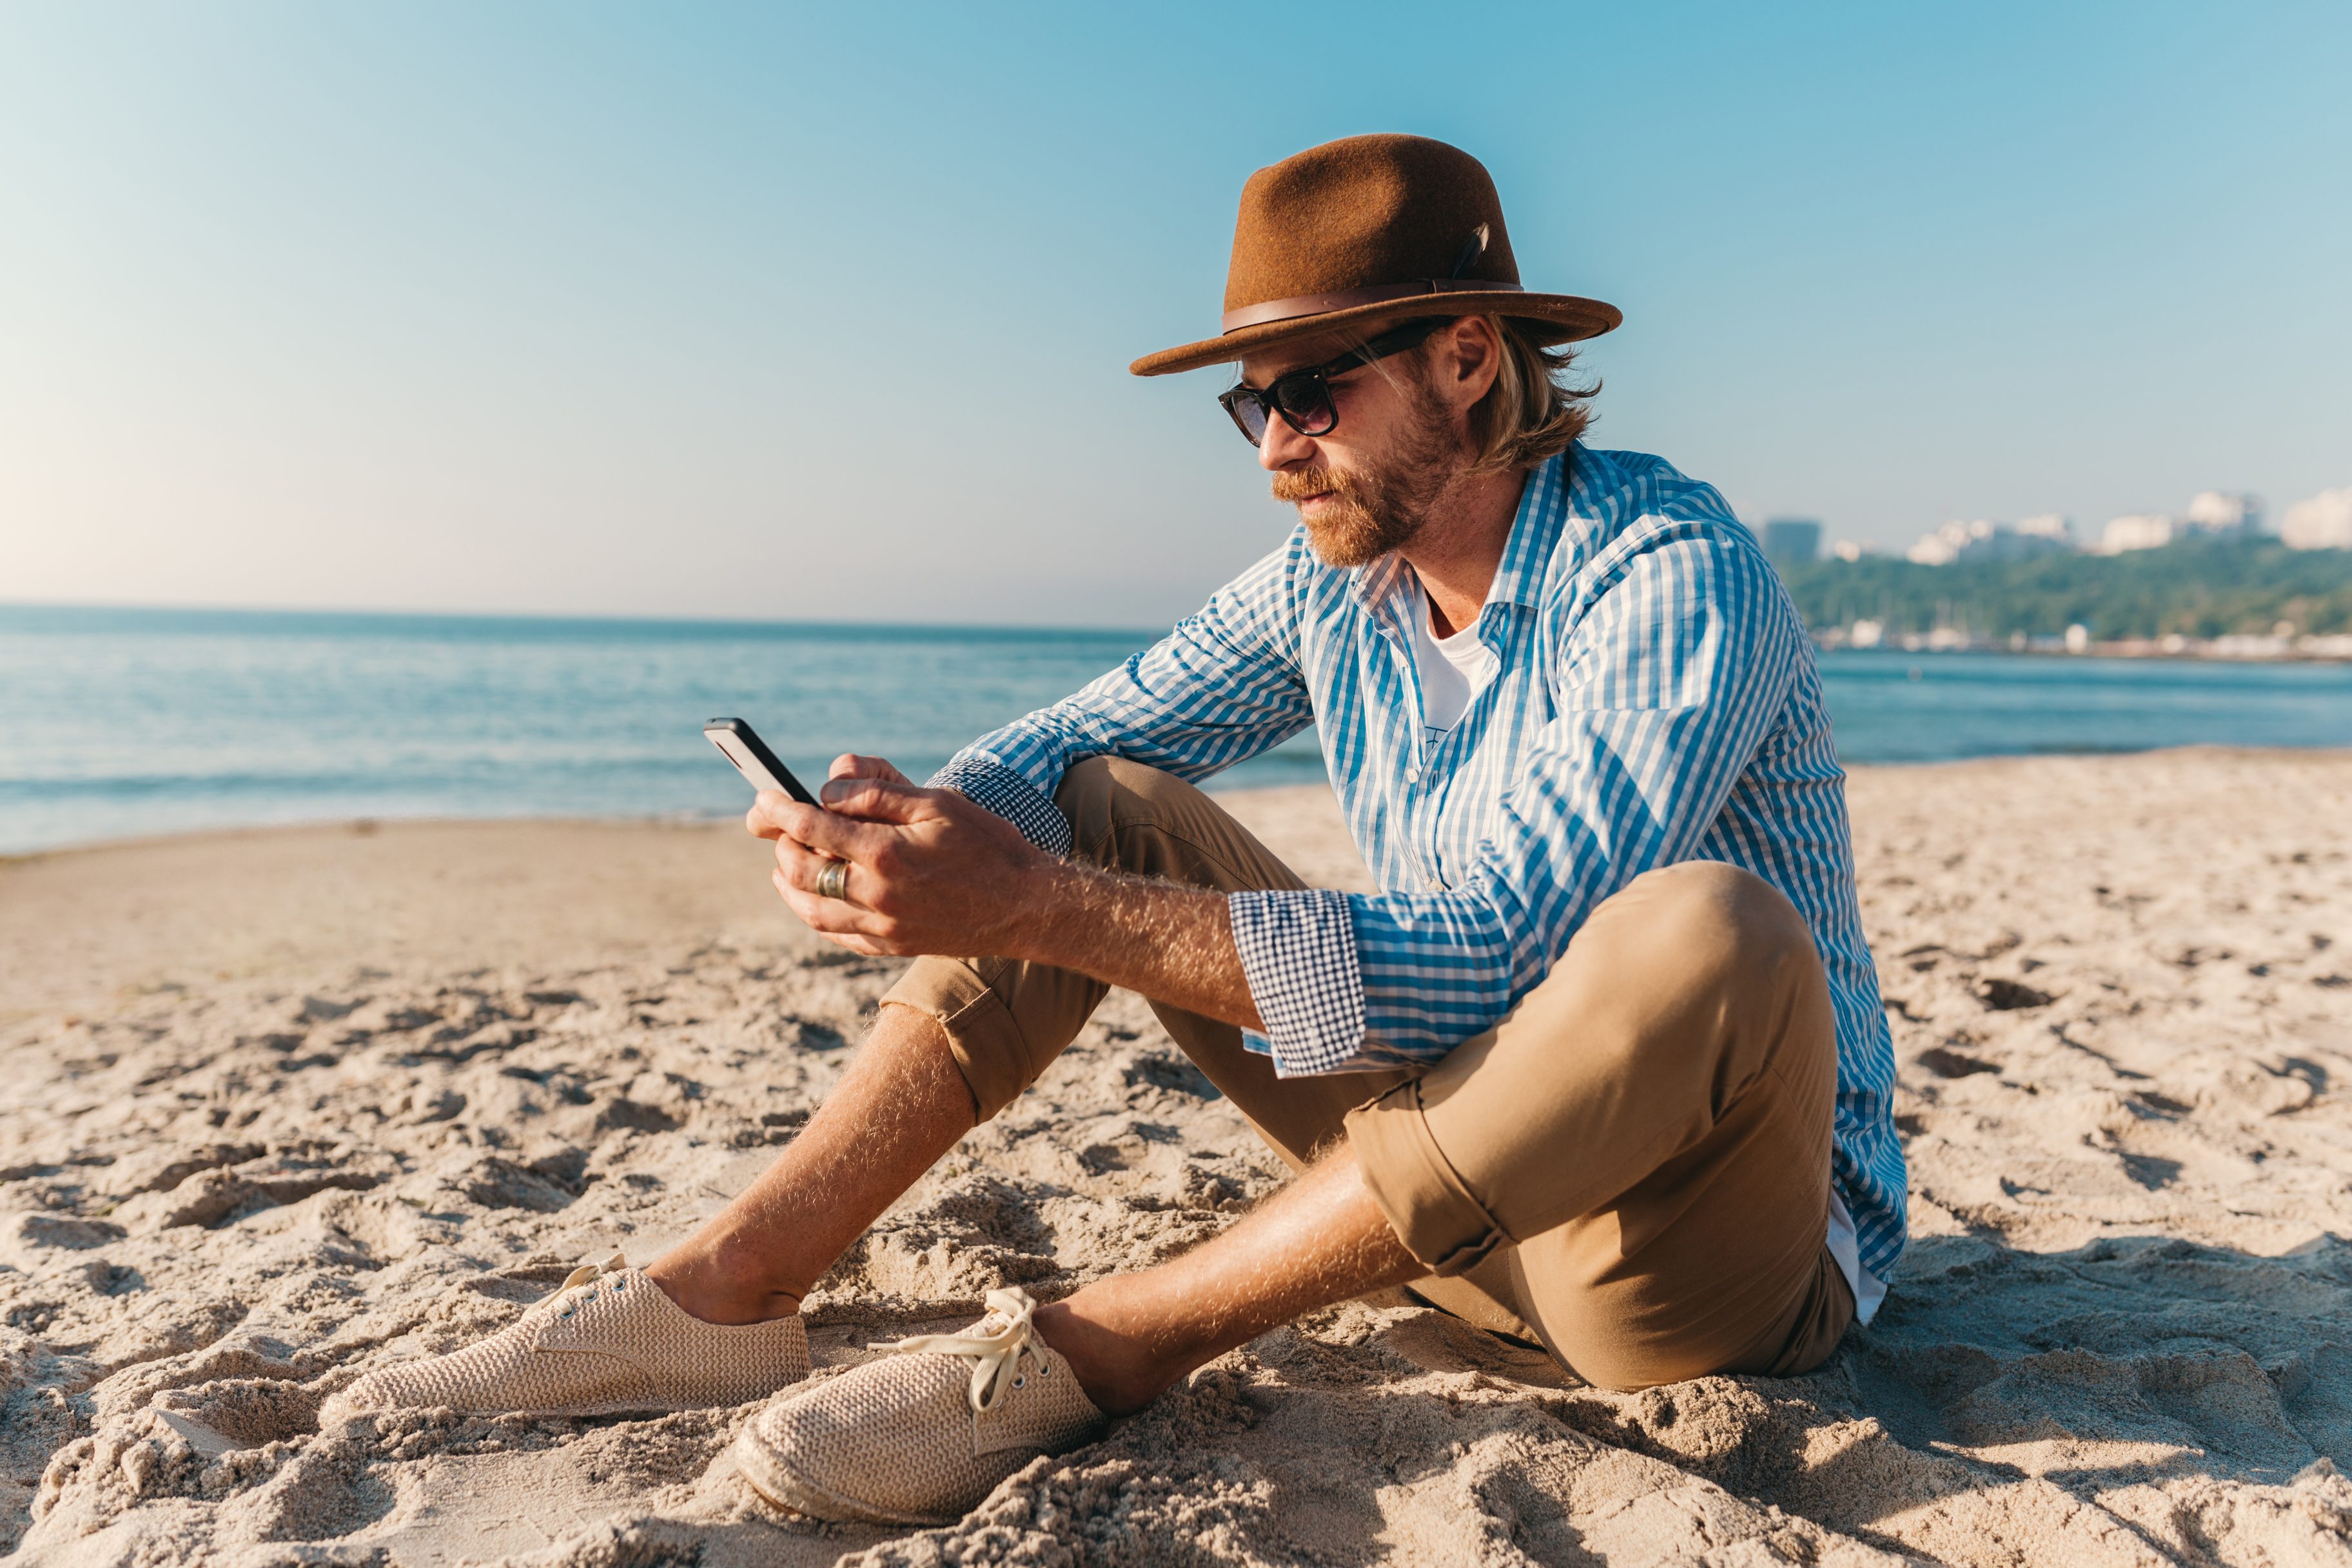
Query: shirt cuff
1298	953
993	787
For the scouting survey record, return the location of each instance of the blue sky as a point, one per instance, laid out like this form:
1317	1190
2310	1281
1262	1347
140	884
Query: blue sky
824	313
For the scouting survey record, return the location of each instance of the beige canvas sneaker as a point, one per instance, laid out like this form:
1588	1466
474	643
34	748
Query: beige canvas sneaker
922	1435
607	1343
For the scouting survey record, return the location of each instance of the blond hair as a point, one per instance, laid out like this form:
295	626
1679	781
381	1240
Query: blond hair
1533	411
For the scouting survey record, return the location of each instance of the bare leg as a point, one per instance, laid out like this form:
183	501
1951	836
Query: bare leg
901	1105
904	1103
1320	1241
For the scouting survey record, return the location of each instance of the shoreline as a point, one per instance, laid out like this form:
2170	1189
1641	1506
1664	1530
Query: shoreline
363	825
2325	648
360	826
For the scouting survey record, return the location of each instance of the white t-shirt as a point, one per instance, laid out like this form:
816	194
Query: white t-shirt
1452	671
1868	1289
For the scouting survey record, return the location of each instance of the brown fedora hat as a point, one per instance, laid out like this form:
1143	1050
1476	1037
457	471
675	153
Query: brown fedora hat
1367	229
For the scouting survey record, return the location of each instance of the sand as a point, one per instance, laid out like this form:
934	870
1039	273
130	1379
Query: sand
282	1106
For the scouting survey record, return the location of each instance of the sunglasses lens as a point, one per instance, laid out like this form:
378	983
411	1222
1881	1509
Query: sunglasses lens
1306	404
1249	414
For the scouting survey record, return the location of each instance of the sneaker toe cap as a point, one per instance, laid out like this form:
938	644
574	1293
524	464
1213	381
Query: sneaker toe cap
382	1390
873	1443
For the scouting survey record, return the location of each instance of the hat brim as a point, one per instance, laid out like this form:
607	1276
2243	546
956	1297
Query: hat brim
1562	319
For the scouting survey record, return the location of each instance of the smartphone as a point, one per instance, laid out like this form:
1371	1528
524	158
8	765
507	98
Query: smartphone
743	747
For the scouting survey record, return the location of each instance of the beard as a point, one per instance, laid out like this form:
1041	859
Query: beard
1380	508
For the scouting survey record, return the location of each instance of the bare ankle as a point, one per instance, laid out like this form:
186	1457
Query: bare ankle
705	1286
1118	1371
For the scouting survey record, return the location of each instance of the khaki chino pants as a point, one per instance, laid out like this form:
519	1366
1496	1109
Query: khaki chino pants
1631	1169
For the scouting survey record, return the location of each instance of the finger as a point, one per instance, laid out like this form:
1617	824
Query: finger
764	820
854	765
843	836
804	868
879	800
828	917
865	945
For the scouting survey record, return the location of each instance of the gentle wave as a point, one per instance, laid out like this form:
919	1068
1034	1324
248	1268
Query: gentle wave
117	722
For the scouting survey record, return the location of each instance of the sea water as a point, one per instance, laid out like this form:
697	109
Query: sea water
120	723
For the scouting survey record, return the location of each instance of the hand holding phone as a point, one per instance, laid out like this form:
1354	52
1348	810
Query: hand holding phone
741	745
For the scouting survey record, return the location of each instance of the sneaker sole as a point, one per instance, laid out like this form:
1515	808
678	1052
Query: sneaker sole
779	1485
562	1412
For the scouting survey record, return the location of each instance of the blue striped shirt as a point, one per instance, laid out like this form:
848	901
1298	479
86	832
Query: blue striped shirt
1651	697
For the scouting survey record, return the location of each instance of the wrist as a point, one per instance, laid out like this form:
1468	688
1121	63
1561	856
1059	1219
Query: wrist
1046	888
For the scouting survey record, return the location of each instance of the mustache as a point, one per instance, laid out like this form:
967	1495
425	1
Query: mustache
1307	483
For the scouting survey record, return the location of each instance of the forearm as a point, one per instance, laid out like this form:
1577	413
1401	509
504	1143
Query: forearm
1172	944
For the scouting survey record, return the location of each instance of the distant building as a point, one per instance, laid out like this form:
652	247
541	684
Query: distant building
2140	530
1947	544
2323	522
1791	540
1982	541
2224	511
1851	549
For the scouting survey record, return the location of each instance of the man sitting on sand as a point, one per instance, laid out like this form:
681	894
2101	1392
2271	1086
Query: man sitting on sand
1601	1068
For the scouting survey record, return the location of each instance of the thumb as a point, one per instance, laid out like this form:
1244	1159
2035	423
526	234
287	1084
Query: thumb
877	800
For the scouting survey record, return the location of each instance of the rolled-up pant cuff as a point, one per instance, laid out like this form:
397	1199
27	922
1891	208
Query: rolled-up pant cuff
1418	1190
983	1036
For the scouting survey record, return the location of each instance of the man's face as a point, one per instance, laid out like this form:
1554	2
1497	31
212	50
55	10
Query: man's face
1366	487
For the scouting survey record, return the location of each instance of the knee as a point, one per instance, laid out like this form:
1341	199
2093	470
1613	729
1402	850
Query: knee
1713	923
1104	794
1086	794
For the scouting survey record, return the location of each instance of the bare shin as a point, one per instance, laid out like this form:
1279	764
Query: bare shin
901	1105
1320	1241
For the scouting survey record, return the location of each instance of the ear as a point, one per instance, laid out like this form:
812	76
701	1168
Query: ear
1469	358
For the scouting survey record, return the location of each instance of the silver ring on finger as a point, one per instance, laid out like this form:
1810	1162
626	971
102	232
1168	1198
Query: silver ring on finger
833	882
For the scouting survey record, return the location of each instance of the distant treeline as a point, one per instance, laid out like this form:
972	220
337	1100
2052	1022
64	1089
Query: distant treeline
2197	587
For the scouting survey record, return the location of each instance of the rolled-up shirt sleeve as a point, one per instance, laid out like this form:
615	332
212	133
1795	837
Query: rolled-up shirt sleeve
1298	953
1223	686
1670	682
990	785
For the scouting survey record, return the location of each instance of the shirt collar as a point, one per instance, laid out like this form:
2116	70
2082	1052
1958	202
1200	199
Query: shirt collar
1376	580
1543	509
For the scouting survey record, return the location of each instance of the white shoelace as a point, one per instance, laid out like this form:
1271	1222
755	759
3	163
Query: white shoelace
994	1347
586	1274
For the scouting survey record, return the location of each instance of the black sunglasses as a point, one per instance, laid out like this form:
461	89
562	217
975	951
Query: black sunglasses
1303	397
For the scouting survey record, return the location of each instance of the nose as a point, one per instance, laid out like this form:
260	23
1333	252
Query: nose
1282	448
